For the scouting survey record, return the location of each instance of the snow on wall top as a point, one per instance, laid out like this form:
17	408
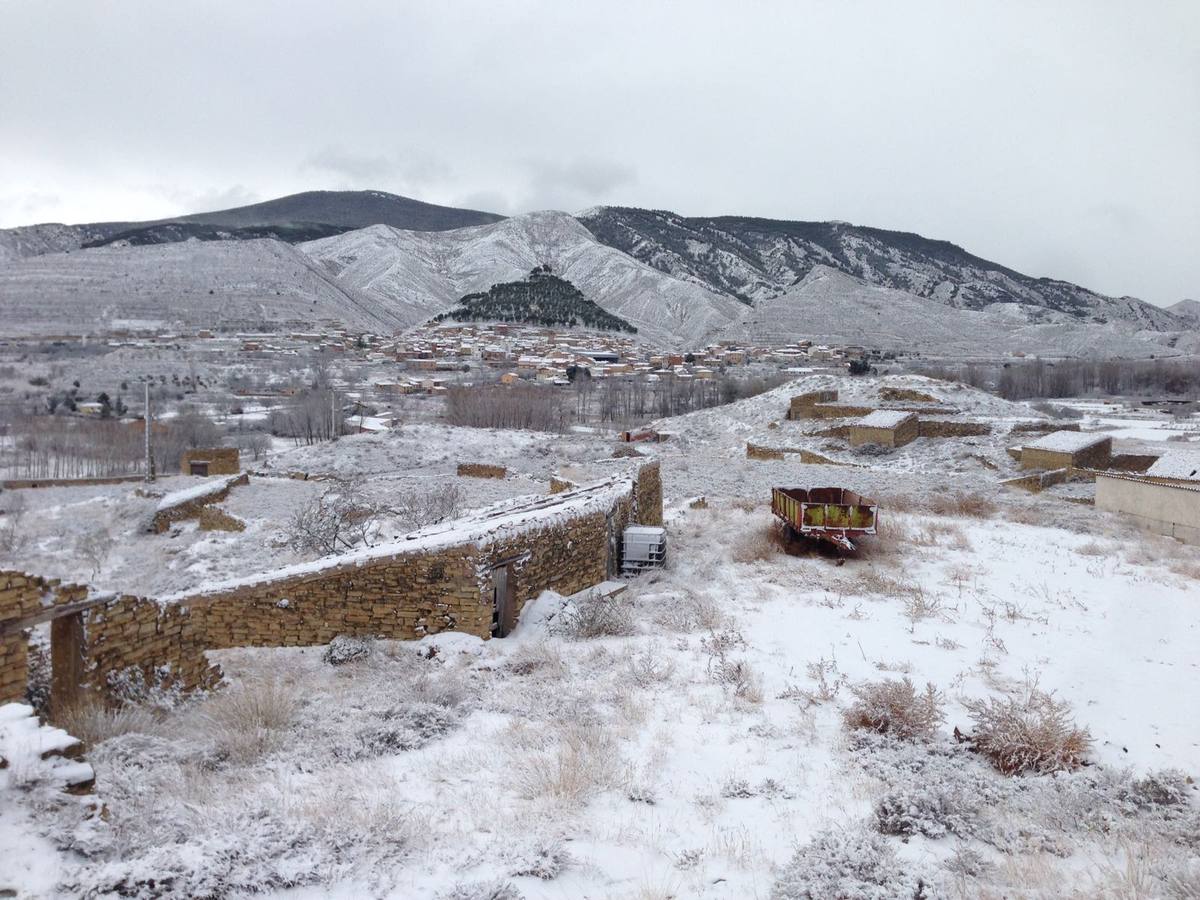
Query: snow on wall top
1177	464
884	418
497	522
1067	441
196	491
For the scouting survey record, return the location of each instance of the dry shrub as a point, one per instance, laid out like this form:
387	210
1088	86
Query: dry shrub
585	763
895	708
760	544
595	616
252	719
1032	732
969	506
91	721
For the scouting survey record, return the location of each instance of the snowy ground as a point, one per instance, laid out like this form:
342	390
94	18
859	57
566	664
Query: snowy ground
635	765
687	738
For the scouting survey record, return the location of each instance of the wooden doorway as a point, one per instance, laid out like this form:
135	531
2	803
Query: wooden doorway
504	600
199	468
66	662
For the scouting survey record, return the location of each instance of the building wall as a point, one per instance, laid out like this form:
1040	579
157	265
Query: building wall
1162	508
1095	457
904	433
801	406
481	470
402	596
940	428
221	460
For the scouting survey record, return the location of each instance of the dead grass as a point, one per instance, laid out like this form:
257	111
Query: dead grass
762	543
1030	732
585	762
253	718
91	721
895	708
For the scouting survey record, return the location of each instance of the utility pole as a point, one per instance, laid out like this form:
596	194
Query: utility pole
148	420
333	416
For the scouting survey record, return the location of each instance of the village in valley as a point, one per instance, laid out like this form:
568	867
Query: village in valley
599	451
471	595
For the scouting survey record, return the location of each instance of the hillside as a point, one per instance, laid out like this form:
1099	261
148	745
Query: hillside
258	284
297	217
830	306
757	259
417	275
539	299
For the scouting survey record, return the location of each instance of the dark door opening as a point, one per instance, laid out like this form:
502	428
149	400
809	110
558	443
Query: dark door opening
200	468
504	601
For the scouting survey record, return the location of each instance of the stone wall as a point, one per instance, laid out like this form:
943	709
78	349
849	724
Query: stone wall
905	432
444	581
800	407
220	460
903	395
1094	457
481	470
943	428
164	517
806	457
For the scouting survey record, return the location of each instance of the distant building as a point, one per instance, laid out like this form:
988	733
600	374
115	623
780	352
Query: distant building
211	461
885	427
1068	450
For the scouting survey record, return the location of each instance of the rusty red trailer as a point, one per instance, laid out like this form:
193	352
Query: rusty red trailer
833	514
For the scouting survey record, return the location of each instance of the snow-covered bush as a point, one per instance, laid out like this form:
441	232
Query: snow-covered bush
649	667
933	810
595	616
251	719
403	728
585	762
92	721
344	648
544	859
1032	732
482	890
1169	787
850	865
895	708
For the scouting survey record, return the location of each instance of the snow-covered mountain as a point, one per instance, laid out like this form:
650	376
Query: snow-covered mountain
829	306
231	285
759	259
297	217
416	275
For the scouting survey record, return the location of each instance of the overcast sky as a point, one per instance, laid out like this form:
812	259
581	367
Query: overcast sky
1059	138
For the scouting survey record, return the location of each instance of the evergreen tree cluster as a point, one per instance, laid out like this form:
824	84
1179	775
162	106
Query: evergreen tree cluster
542	298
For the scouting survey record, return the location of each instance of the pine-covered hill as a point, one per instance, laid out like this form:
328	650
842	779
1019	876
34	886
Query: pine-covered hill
540	299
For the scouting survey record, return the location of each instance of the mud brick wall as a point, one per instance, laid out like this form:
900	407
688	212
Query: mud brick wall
755	451
904	433
1042	427
1132	462
648	494
839	411
20	596
400	596
164	518
139	633
221	460
1095	457
481	470
905	395
800	407
940	428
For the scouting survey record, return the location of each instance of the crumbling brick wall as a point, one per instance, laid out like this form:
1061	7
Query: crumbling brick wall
801	406
905	395
220	460
398	596
481	470
191	509
941	428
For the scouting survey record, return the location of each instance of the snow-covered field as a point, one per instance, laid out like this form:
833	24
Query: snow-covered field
688	737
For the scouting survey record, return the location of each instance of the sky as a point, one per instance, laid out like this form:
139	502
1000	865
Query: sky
1059	138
